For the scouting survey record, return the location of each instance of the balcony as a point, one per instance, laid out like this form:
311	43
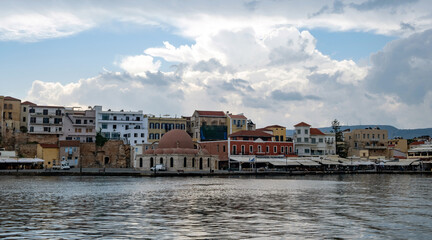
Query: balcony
376	147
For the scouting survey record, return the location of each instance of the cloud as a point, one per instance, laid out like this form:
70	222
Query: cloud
377	4
139	64
292	96
403	68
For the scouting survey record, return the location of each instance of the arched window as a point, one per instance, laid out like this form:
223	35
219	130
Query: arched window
151	136
156	135
161	160
171	162
208	162
185	162
106	160
141	163
157	125
151	162
151	125
193	162
201	163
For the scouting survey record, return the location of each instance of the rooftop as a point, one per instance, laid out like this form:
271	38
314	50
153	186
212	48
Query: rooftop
316	131
211	113
302	124
251	133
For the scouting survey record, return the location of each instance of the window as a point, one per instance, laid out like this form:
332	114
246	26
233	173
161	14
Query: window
157	125
127	118
57	120
151	136
243	150
151	162
320	140
104	126
267	149
281	138
151	125
105	117
313	140
85	121
298	131
47	129
161	160
57	112
277	138
45	120
141	163
157	136
193	162
10	115
142	135
31	129
223	148
208	162
368	136
32	110
250	149
298	140
234	150
275	149
114	126
78	121
184	162
306	131
171	162
24	109
115	118
306	140
290	149
364	136
201	163
24	119
135	134
259	149
10	106
282	150
307	150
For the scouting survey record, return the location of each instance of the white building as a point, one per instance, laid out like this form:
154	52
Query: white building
79	125
312	142
129	126
45	119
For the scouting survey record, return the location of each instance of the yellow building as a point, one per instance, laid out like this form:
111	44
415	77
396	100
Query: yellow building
236	123
25	106
279	132
367	143
397	148
10	109
49	153
158	126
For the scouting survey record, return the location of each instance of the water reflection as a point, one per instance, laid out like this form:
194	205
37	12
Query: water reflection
349	206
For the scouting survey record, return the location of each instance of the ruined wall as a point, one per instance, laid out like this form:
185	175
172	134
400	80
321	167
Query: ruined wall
27	150
114	154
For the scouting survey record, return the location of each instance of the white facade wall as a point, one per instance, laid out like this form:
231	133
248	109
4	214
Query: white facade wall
302	141
79	125
131	127
45	120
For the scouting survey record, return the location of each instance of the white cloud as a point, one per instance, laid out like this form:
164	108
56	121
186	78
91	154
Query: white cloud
140	64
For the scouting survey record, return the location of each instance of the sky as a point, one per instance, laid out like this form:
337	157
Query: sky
278	62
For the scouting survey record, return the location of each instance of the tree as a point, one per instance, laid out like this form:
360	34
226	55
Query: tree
340	145
100	140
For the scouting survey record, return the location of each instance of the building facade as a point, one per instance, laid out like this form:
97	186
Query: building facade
158	126
367	143
49	153
79	125
10	109
209	126
25	115
128	126
177	152
45	120
312	141
70	151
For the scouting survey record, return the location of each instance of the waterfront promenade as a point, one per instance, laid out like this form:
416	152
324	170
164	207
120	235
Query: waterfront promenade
140	173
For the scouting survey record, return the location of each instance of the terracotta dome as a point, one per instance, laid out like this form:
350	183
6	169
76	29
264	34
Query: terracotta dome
176	139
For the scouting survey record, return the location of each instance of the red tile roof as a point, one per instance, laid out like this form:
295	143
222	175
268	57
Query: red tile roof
44	145
275	126
302	124
28	103
11	98
316	131
250	133
211	113
69	143
417	143
238	116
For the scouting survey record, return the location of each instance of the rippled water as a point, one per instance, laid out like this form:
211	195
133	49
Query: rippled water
349	206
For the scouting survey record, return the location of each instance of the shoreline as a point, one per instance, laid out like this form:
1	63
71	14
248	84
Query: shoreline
134	173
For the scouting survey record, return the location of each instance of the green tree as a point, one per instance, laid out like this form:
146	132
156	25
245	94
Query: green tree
340	145
100	140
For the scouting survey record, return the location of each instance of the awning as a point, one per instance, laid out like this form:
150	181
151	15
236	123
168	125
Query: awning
21	160
284	163
327	162
308	163
242	158
404	163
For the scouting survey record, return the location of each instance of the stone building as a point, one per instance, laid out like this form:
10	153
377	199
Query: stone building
209	126
367	143
10	111
177	151
113	154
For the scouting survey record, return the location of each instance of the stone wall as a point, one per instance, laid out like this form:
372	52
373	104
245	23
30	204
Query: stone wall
114	154
27	150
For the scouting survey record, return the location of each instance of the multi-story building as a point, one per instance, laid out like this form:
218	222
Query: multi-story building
421	151
24	115
312	141
367	143
129	126
236	123
10	114
70	151
45	119
158	126
209	126
397	148
279	132
79	125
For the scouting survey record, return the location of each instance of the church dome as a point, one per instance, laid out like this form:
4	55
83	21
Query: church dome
176	139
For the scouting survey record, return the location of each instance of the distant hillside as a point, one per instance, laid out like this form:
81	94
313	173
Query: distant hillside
392	131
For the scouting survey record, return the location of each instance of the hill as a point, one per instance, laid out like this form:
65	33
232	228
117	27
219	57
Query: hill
392	131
